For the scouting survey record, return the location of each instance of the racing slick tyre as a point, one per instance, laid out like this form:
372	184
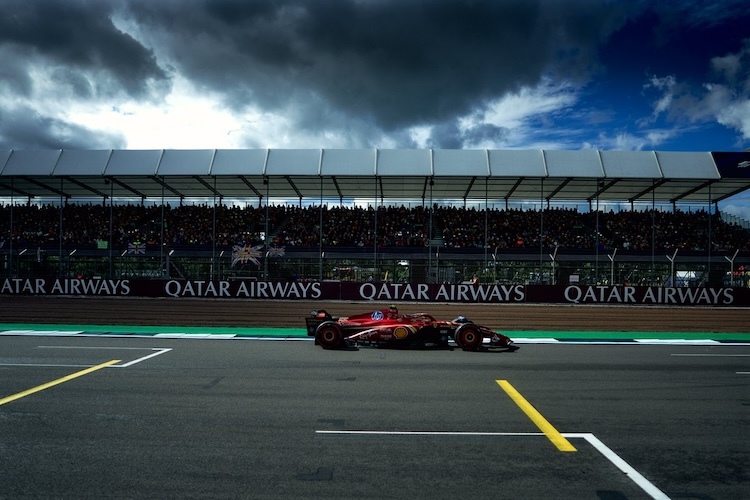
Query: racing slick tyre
468	337
329	335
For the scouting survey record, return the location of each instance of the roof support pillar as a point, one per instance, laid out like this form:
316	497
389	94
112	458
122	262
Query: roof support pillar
486	219
710	237
654	184
375	231
164	268
213	232
429	238
267	182
111	226
10	235
320	228
541	227
60	230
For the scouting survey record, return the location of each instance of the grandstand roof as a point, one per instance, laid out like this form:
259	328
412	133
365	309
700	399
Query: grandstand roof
383	174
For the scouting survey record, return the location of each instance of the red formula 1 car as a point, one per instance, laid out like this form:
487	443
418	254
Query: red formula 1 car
388	328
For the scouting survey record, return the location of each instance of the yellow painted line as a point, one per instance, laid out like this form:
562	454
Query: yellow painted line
56	382
536	417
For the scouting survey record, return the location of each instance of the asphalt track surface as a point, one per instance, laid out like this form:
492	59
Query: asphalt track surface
233	418
273	313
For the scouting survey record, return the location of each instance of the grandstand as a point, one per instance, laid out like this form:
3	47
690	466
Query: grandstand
429	216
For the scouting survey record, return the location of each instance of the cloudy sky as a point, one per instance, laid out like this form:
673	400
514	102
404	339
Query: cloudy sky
553	74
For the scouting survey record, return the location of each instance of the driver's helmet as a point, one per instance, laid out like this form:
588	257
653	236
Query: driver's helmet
393	311
461	319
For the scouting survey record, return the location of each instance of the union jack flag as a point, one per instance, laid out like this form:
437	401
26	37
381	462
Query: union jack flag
243	254
137	248
276	251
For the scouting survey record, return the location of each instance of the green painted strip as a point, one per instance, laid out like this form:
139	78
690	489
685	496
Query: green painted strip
302	332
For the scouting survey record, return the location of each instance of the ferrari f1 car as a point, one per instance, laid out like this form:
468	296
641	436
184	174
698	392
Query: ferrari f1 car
388	328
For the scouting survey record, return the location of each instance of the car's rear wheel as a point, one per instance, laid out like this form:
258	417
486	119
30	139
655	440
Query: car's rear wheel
329	335
468	337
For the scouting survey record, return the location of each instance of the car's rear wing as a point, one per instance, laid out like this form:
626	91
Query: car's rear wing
315	319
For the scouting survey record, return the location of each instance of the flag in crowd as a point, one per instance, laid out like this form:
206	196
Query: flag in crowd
137	248
244	253
276	251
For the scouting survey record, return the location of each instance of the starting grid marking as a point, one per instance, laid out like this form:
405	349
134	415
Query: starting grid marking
647	486
155	351
114	363
557	438
560	440
231	336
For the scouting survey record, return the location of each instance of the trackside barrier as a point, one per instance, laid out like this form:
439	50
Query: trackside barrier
380	292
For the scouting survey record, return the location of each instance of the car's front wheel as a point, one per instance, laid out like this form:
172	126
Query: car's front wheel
468	337
329	335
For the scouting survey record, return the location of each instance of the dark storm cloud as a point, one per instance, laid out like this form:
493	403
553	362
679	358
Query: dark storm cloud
394	62
26	129
13	73
80	36
361	71
484	133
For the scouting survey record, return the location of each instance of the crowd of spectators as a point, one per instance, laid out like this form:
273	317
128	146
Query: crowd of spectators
356	227
186	225
570	229
196	226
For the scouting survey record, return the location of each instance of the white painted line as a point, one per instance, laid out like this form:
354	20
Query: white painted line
430	433
677	341
116	335
712	355
536	341
159	351
41	333
43	365
742	373
621	464
95	347
610	455
187	335
598	342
